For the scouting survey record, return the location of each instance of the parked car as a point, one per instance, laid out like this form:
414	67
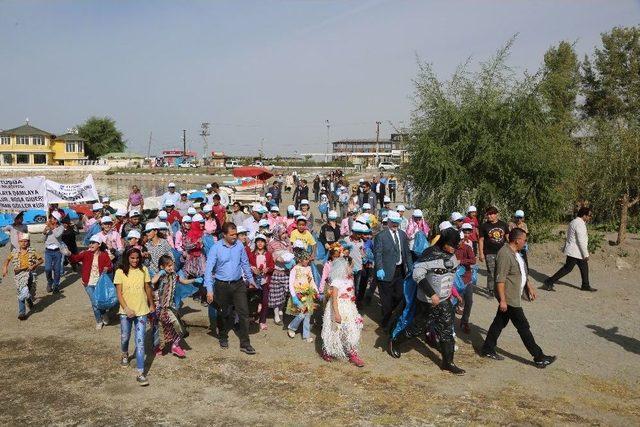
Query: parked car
230	164
258	163
387	166
187	165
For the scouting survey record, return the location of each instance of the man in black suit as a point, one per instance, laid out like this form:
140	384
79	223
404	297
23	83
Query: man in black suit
392	263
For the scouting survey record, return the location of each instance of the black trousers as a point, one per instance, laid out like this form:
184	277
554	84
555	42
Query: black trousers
230	296
392	194
571	262
391	294
519	320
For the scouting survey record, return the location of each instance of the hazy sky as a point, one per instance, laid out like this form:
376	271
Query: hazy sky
272	70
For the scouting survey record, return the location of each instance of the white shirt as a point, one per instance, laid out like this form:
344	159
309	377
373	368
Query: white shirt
397	238
224	198
523	271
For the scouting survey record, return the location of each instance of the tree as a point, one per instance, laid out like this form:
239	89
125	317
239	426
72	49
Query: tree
611	88
486	138
560	84
102	136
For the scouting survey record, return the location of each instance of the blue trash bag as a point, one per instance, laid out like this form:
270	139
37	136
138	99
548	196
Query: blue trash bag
95	229
182	292
316	274
175	226
4	238
420	243
410	288
207	243
177	259
323	208
321	253
105	295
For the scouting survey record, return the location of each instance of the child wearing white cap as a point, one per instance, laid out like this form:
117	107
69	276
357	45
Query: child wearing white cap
417	223
472	218
305	210
24	260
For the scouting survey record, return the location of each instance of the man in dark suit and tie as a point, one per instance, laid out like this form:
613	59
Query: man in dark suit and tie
392	263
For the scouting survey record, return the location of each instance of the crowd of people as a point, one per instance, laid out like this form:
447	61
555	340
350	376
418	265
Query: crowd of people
249	263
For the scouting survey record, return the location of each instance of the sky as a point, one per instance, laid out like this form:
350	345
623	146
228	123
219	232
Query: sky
264	73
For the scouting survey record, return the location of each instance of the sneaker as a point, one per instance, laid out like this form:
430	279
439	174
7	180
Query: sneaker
455	370
99	326
22	316
248	349
224	343
124	361
105	319
355	359
309	340
142	380
292	334
492	355
545	361
276	317
548	286
49	289
176	350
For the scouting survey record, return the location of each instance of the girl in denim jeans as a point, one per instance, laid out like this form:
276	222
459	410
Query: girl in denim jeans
136	302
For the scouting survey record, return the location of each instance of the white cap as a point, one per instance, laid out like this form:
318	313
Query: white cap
23	236
291	208
297	213
162	225
106	199
260	236
361	180
208	186
163	215
169	203
106	220
96	207
332	215
359	228
184	193
394	216
207	208
56	215
150	226
466	226
186	218
401	208
456	216
197	218
417	213
171	184
268	195
519	213
259	209
472	209
134	213
192	211
274	208
301	218
242	229
263	223
366	206
304	202
444	225
133	234
121	212
299	244
95	239
386	199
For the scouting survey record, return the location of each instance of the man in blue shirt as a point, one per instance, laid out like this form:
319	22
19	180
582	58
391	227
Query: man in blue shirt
227	261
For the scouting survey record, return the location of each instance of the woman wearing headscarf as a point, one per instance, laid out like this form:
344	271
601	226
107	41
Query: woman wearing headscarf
278	247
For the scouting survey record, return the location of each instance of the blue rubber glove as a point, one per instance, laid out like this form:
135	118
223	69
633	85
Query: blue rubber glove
162	273
296	301
198	280
380	274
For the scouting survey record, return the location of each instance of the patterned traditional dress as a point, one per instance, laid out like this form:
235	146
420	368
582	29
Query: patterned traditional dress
168	333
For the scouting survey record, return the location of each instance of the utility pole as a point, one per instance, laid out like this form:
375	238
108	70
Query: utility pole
326	152
204	133
184	143
378	140
149	146
261	148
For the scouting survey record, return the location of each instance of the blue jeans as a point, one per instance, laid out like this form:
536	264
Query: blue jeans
97	313
53	268
140	324
306	326
22	308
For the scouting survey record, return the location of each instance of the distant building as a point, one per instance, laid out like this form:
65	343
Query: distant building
175	157
28	145
123	160
217	159
350	149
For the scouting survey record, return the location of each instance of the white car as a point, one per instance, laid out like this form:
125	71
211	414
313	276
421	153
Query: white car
387	166
230	164
187	165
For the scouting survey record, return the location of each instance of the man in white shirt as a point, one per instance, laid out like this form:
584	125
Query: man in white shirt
171	195
576	248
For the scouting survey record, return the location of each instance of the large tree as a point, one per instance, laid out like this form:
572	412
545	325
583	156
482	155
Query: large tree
485	138
611	86
560	84
102	136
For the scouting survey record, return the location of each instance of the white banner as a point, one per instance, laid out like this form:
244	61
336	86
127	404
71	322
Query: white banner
72	193
23	193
